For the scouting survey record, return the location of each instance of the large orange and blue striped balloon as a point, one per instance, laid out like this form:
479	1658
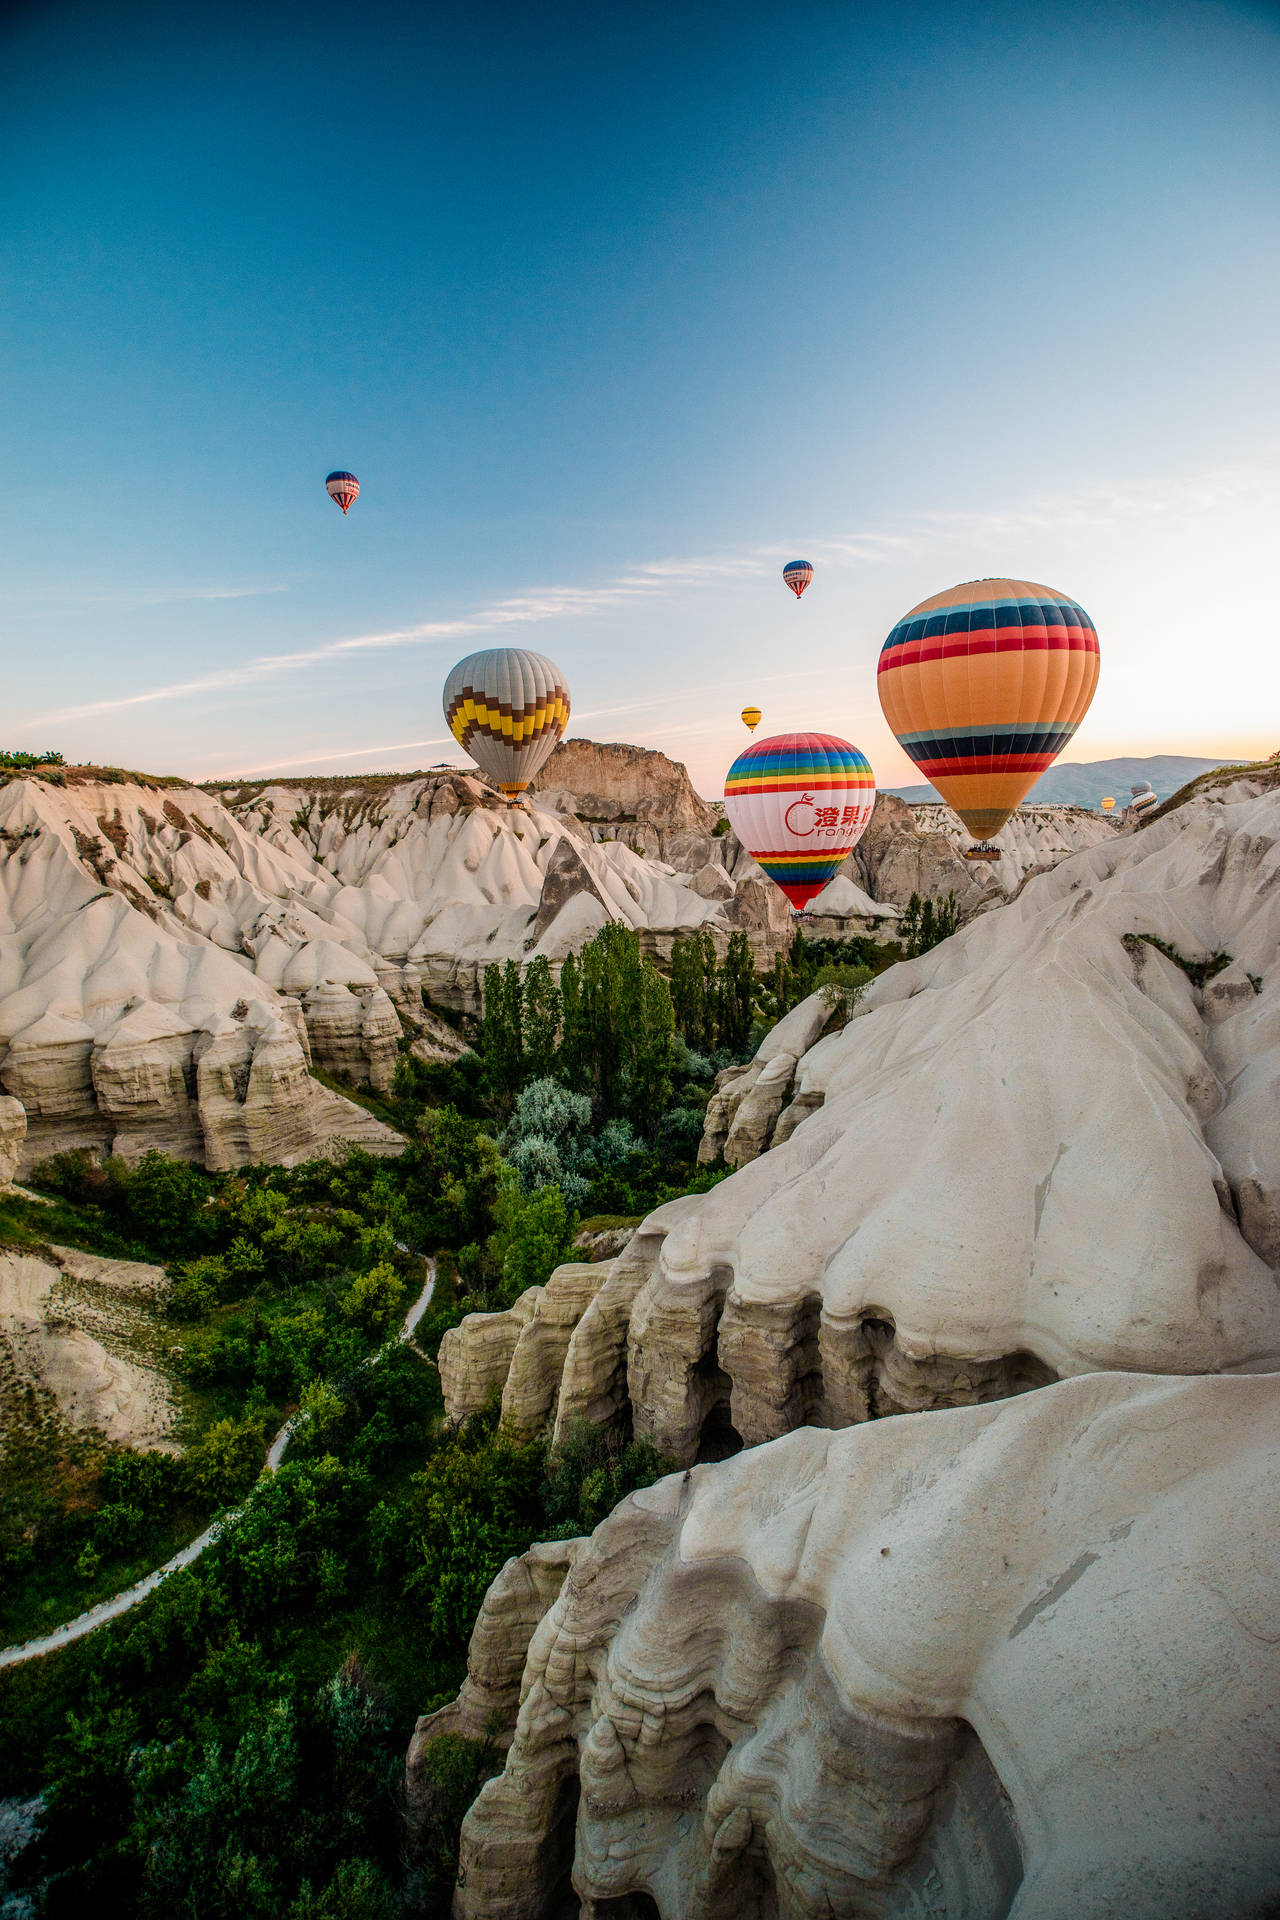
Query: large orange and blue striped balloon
984	685
799	802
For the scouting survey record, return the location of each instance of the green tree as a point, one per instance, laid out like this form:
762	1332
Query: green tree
502	1035
535	1233
575	1065
696	990
650	1053
541	1014
737	994
225	1461
373	1300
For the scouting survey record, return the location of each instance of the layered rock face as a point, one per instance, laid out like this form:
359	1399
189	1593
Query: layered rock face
140	1005
66	1326
632	794
437	878
173	962
919	849
1013	1660
1038	1151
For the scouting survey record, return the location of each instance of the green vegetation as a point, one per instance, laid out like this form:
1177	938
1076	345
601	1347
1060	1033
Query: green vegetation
1198	972
235	1746
238	1743
13	760
925	923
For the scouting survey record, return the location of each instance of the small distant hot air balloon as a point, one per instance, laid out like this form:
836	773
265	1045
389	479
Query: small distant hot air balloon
507	707
342	487
983	686
1144	798
797	574
1108	803
751	718
799	802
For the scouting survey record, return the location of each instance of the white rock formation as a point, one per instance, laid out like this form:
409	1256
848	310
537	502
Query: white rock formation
744	1109
1040	1150
1014	1660
171	966
13	1131
66	1320
1035	838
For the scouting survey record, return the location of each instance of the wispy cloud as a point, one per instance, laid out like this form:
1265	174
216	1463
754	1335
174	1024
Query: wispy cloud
532	608
1186	495
126	599
321	756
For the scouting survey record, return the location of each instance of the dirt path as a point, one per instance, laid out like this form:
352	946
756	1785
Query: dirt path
119	1603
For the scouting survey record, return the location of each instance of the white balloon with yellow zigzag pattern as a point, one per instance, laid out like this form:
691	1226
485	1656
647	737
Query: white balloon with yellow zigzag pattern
507	707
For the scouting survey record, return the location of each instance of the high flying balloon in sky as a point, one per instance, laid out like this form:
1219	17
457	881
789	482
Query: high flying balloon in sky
797	574
606	334
507	707
799	803
983	685
342	488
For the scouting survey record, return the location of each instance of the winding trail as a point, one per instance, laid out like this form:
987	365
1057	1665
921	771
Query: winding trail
119	1603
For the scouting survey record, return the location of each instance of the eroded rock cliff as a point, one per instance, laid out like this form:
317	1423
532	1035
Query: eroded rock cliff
1011	1660
1040	1150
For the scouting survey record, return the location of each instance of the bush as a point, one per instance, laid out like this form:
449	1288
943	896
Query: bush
197	1287
590	1471
535	1236
223	1463
373	1299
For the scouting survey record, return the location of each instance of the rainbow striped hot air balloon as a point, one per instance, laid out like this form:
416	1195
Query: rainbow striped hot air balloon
984	685
799	802
507	706
797	574
342	488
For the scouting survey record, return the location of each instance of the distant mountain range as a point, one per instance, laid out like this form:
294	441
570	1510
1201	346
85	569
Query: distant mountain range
1083	783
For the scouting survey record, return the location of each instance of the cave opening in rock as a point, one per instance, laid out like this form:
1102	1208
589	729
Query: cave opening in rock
719	1439
627	1906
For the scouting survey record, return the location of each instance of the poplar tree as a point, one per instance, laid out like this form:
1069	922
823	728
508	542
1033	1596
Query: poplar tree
737	994
540	1020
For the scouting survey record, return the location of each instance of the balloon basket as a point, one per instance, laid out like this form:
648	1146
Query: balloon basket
982	853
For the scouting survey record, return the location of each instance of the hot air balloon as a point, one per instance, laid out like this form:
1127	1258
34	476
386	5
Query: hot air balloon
799	803
984	685
750	718
507	707
797	574
1108	803
342	487
1144	798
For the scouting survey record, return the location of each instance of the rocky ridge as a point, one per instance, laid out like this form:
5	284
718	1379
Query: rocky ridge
68	1322
764	1690
923	1230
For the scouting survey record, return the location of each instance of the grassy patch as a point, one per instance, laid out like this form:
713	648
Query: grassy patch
358	1096
1198	972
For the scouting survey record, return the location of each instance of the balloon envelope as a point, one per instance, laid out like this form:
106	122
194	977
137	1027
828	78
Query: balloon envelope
983	686
342	487
799	802
797	574
507	707
751	718
1108	803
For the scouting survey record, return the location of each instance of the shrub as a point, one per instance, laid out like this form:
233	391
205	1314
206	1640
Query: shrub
373	1299
226	1460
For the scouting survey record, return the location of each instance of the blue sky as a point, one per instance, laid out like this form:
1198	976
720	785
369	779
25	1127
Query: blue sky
612	313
